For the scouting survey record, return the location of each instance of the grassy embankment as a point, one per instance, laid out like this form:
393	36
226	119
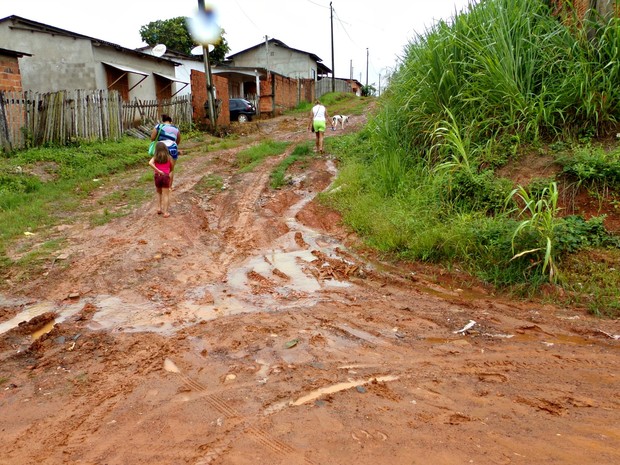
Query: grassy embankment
504	80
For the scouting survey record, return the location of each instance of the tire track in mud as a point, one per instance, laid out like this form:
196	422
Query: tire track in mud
237	211
259	435
50	441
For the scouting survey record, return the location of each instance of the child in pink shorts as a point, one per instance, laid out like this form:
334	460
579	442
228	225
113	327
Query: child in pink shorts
163	166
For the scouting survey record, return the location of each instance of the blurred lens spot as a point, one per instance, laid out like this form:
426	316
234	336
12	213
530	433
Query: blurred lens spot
203	26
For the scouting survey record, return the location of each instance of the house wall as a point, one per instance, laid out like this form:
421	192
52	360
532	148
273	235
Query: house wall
280	93
281	60
143	90
10	78
57	62
183	73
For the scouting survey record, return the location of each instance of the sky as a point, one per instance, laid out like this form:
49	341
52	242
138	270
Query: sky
369	36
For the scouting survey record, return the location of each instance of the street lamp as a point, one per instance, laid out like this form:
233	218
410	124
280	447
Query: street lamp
206	32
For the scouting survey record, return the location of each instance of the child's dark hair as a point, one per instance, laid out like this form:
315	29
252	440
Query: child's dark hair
166	119
161	153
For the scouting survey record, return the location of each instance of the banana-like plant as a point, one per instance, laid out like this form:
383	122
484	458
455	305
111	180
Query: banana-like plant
541	212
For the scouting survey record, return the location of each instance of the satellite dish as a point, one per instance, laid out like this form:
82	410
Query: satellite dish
159	50
197	50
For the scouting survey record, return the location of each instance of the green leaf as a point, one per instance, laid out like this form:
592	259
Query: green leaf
292	343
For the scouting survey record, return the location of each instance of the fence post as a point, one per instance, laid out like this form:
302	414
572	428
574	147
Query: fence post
5	142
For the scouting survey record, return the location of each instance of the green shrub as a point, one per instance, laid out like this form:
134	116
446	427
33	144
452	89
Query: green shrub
574	233
593	168
18	183
468	191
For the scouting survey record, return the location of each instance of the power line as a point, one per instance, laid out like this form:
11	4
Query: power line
246	15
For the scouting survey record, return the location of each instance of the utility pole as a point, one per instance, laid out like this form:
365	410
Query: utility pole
366	68
210	93
267	54
331	10
351	74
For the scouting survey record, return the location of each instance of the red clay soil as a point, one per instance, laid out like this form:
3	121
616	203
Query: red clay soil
251	328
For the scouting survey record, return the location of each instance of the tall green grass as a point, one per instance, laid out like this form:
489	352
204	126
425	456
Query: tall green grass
419	181
506	67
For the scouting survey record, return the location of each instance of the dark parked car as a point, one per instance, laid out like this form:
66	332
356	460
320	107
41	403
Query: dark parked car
241	110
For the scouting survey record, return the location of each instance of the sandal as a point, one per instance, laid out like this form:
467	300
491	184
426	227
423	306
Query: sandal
166	215
159	212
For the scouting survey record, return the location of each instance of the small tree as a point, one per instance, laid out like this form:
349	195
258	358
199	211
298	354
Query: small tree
175	35
368	90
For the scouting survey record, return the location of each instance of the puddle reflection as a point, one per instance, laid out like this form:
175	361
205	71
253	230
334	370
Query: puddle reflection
32	311
44	330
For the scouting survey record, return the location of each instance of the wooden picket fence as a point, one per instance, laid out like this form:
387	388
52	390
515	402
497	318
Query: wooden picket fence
32	119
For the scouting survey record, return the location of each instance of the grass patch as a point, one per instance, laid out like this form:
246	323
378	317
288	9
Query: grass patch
591	281
33	260
209	182
419	181
251	157
278	176
34	200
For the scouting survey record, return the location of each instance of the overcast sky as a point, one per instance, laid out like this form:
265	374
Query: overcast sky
368	36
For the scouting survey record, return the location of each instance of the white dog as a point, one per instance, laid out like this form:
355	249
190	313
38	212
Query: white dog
342	119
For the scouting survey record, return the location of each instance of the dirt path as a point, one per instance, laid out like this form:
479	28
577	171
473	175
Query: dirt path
246	330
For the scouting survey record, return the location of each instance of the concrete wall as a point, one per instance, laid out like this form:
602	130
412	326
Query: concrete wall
282	60
10	78
182	72
57	62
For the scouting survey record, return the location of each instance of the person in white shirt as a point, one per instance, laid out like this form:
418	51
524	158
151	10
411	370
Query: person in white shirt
318	123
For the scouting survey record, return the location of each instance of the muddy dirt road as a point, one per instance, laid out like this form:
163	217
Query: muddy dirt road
248	328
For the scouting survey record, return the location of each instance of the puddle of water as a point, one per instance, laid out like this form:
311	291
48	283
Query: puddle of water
363	335
28	313
224	306
287	262
339	387
115	313
11	302
44	330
